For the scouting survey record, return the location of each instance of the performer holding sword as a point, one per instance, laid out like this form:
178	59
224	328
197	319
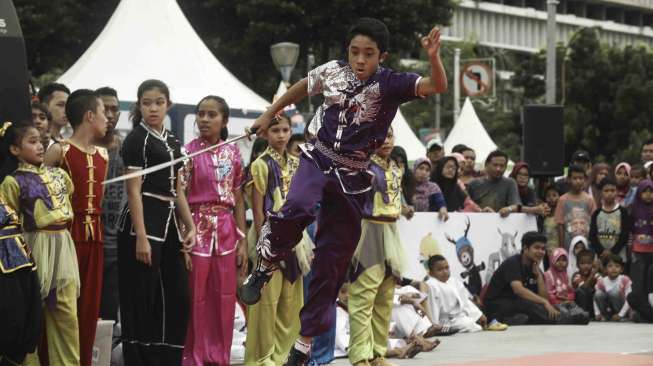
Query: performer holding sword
361	99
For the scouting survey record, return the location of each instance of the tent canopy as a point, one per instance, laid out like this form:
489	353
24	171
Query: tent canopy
469	130
152	39
406	138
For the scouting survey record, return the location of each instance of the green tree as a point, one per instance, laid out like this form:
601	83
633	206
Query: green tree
240	32
607	98
57	32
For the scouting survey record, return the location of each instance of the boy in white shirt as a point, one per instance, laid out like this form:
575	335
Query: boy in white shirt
449	302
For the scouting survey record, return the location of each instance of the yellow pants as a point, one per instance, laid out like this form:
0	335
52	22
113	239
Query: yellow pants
273	323
370	309
61	327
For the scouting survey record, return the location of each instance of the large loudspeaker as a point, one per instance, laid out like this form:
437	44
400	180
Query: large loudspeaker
14	79
543	136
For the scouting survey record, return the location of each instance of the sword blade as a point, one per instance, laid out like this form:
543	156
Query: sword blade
167	164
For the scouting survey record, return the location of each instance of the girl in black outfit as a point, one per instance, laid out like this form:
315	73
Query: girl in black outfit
153	279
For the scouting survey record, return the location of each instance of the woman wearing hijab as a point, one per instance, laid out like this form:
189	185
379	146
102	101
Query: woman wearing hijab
428	196
521	173
622	176
599	171
641	270
446	176
561	293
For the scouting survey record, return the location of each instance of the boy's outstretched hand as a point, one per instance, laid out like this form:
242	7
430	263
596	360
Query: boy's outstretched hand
260	125
431	42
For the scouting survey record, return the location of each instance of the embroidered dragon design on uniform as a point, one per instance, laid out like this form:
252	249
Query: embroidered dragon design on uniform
365	104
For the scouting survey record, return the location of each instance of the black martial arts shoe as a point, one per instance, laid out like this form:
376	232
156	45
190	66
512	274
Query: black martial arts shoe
250	291
296	358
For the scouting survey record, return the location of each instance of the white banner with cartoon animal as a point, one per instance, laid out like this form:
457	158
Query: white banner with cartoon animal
473	243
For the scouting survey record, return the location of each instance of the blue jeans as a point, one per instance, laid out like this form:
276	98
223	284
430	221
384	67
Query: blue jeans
325	343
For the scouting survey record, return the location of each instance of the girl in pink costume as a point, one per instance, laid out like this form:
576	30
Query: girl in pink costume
212	182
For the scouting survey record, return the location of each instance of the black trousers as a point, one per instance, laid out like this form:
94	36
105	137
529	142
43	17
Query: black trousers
585	299
641	273
154	301
21	315
504	308
109	300
640	304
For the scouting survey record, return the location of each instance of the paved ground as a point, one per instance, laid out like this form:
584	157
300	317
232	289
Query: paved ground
598	344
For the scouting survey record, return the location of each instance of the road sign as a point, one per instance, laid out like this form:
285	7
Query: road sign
477	78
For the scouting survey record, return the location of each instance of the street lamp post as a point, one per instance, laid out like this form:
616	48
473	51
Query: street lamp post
284	55
310	62
551	51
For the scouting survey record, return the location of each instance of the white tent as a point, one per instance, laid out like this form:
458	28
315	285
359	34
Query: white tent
469	130
152	39
405	137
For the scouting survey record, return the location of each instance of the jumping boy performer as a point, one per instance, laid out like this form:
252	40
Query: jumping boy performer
361	100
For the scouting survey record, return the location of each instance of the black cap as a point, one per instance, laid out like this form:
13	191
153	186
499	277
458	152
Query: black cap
434	144
581	155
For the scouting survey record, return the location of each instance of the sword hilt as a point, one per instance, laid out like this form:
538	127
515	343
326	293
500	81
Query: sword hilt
251	131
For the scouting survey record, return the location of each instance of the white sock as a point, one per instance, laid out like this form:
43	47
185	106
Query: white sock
650	299
302	347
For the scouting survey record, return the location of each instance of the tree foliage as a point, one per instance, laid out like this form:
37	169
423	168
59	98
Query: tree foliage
606	91
240	32
57	32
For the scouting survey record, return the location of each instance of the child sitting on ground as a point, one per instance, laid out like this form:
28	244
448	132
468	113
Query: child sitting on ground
409	317
611	291
397	348
561	293
578	244
584	280
410	326
449	302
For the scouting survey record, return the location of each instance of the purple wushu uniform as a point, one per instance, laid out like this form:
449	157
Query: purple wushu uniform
352	122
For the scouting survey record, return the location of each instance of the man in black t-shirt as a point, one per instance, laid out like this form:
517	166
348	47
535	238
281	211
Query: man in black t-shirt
517	293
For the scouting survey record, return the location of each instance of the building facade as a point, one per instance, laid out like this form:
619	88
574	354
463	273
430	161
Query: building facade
520	25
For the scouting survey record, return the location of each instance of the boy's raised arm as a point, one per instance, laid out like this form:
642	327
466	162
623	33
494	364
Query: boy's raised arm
297	92
436	83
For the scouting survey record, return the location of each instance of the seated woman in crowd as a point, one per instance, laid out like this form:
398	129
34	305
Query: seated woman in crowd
446	177
428	196
521	173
